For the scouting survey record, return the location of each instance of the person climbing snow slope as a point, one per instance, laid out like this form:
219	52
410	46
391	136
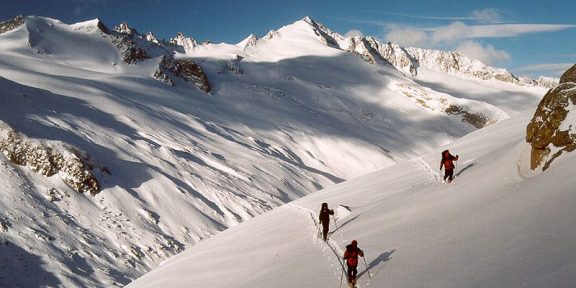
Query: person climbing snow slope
448	163
324	219
351	256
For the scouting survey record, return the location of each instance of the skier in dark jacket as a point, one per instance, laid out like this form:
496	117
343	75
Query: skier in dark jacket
325	219
448	163
351	257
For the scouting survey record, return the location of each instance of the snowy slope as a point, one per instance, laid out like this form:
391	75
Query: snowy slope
496	225
287	116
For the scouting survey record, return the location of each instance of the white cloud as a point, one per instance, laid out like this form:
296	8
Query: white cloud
513	30
451	33
486	54
460	30
548	67
486	15
462	37
354	32
407	36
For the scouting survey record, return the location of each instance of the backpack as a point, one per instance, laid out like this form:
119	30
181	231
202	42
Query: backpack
351	255
447	160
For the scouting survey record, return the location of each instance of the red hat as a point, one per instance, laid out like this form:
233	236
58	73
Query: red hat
354	242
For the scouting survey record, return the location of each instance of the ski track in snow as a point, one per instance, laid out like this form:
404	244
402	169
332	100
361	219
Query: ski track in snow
333	246
433	176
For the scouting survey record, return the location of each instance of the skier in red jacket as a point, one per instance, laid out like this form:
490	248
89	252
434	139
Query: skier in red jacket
351	257
447	162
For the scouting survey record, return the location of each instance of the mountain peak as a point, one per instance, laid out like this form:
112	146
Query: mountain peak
249	41
188	43
308	20
125	29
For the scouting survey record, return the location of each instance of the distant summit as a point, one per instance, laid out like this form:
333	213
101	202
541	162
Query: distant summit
409	60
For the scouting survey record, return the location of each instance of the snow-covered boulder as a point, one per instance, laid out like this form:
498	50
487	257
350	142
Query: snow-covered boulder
552	130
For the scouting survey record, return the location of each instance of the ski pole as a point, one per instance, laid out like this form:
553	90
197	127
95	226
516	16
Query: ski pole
335	222
341	276
367	268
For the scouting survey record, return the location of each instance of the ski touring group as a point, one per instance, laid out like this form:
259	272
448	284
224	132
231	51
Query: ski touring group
353	252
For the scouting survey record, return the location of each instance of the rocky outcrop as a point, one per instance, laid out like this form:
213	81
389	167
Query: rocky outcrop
552	130
368	49
325	35
185	69
10	25
150	37
569	76
270	35
395	55
123	28
125	41
189	44
250	41
478	120
72	165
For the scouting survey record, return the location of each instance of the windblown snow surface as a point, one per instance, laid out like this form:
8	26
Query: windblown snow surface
286	117
497	225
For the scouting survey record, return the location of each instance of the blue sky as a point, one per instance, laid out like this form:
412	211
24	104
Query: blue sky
527	37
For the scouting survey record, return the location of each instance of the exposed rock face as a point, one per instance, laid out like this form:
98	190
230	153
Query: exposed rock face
569	75
125	29
325	35
10	25
368	48
125	41
552	130
70	164
103	27
248	42
182	68
271	34
150	37
189	44
395	55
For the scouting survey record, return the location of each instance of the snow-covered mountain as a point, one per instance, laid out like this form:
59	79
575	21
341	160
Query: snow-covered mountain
181	140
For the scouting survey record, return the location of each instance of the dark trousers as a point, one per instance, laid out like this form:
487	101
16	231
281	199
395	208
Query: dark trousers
352	272
325	228
448	173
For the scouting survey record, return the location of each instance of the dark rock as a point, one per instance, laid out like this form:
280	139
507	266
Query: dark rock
478	120
185	69
129	50
72	166
544	132
569	75
12	24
